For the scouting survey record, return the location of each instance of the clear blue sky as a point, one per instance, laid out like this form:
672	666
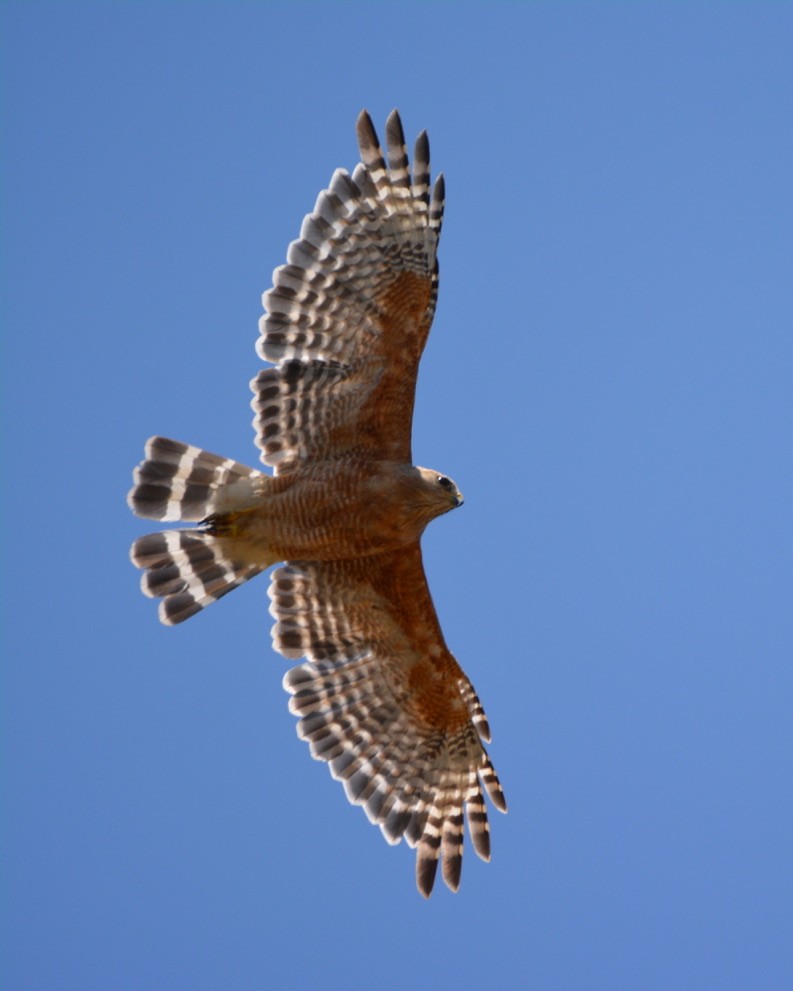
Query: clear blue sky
608	380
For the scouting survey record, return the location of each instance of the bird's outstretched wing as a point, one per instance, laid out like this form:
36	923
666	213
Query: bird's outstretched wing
381	698
348	316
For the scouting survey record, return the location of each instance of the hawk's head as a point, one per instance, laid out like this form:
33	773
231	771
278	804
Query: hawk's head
439	491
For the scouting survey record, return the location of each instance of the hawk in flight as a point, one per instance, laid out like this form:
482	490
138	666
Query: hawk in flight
379	696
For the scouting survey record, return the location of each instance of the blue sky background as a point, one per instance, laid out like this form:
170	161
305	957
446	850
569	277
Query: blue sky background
609	382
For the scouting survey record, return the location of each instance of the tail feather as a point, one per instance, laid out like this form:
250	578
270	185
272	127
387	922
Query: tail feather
188	570
180	482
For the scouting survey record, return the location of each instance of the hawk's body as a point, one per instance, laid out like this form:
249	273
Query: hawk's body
380	696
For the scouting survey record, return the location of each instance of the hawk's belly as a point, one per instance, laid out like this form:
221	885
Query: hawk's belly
327	512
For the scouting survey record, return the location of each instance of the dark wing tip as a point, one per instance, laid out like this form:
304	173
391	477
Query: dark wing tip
393	129
426	868
421	151
367	135
452	868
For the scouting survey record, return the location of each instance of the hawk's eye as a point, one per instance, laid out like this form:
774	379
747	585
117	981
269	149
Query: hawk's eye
444	482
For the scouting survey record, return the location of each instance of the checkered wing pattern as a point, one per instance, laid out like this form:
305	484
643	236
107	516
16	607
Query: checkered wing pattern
381	699
348	315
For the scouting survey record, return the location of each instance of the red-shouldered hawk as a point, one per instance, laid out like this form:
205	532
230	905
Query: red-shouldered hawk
379	696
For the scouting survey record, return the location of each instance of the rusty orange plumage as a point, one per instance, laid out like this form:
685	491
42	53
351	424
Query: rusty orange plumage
379	695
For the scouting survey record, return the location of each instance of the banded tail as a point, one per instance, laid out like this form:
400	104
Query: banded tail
189	569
